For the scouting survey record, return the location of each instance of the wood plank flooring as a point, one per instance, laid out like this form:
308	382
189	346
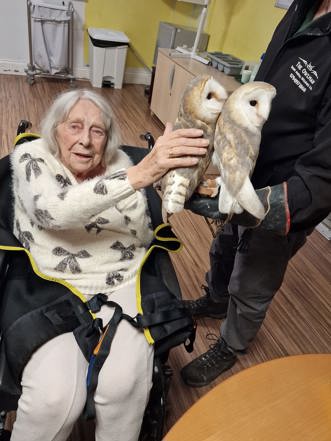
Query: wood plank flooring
299	319
19	100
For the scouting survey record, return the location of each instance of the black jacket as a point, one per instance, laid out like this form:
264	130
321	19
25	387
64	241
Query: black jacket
296	139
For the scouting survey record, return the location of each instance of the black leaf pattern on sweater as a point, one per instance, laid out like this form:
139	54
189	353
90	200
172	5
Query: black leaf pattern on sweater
44	217
63	180
126	252
70	261
95	225
62	195
31	165
100	186
115	277
25	237
40	228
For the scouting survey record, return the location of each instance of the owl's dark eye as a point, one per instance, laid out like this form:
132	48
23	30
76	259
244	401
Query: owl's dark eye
210	96
253	103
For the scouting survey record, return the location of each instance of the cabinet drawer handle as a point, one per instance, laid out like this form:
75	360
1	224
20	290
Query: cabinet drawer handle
171	77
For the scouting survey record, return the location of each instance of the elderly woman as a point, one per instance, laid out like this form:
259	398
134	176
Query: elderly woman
81	211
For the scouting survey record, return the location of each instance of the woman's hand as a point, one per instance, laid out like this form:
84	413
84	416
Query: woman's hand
175	148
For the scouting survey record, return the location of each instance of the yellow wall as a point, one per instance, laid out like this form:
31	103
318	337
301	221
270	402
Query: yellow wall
139	20
240	27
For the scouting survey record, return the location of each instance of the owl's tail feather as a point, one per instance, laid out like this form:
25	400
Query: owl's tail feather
250	201
173	203
175	194
227	204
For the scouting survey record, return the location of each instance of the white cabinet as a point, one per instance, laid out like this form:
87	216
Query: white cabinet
172	74
169	83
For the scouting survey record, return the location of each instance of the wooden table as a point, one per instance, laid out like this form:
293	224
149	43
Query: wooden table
286	399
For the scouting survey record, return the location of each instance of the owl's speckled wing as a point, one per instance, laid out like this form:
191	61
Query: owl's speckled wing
236	144
200	107
237	151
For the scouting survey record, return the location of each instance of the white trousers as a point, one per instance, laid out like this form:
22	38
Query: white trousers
54	384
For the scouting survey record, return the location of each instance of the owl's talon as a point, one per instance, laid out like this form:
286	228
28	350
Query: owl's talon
208	187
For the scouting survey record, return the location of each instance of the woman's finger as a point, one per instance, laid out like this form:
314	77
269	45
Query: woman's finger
168	129
187	133
189	142
170	134
176	152
182	161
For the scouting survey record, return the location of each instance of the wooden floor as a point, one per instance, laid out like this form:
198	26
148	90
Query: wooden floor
299	319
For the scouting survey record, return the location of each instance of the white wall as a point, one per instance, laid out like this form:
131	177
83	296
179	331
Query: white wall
14	46
13	31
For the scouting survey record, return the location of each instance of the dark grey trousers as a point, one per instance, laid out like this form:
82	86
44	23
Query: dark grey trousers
249	265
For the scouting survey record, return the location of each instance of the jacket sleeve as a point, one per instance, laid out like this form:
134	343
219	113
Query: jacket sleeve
309	188
51	206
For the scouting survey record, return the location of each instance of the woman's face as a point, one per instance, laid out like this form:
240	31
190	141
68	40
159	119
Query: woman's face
82	139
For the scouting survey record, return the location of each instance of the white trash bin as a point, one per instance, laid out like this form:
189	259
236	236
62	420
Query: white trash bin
107	56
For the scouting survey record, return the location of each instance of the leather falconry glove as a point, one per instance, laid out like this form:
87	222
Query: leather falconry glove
274	200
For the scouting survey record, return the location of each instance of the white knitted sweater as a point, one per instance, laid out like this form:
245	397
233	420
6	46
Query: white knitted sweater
92	234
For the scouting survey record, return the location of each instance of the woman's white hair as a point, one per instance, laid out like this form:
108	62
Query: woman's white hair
60	109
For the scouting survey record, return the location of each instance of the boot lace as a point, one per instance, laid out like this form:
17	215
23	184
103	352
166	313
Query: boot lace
217	352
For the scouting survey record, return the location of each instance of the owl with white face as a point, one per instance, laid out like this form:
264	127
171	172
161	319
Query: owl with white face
237	142
200	108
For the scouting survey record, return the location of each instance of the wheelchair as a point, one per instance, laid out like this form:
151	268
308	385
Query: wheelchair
159	268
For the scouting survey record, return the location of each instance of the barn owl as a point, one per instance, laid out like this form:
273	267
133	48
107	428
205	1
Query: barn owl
200	107
237	143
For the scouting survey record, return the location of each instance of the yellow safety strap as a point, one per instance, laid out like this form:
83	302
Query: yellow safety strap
170	244
44	276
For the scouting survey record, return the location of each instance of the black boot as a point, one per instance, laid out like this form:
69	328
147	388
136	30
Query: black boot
205	307
208	366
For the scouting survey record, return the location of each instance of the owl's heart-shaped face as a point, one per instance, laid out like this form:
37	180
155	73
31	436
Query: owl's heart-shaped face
204	99
213	97
252	103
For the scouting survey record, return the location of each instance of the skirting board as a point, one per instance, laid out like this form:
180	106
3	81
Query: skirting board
132	75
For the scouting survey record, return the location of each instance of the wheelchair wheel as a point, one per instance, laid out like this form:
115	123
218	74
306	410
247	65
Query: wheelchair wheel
30	80
155	413
4	434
